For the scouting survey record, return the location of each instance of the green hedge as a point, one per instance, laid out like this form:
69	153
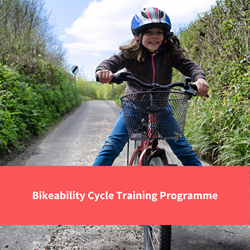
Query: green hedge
27	107
218	41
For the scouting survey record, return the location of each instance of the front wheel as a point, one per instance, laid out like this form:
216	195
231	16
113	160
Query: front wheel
157	237
156	161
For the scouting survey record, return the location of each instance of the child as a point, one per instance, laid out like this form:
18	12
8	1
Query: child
151	54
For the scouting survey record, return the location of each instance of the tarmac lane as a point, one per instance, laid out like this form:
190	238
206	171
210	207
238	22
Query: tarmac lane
76	141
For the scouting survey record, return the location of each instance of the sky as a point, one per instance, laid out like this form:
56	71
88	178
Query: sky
92	31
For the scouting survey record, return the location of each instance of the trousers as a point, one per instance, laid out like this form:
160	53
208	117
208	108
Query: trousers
119	137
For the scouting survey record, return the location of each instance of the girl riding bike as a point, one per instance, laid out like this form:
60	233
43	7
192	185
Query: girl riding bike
152	54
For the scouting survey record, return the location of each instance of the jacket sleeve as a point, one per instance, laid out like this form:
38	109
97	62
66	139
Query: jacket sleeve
114	63
188	67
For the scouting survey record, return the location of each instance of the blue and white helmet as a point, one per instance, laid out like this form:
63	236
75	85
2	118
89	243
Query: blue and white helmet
149	18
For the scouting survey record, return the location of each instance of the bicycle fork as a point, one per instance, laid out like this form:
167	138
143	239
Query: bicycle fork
148	238
146	151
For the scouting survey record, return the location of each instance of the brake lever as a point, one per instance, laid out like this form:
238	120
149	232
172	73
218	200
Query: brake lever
117	78
190	88
120	77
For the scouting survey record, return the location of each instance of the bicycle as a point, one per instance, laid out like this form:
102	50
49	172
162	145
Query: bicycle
157	113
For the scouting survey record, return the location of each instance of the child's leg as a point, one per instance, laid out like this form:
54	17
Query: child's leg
114	144
184	152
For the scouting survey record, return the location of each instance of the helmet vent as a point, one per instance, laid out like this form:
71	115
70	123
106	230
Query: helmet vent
144	15
161	14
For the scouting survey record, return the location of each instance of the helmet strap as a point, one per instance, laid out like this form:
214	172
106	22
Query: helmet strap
167	36
138	41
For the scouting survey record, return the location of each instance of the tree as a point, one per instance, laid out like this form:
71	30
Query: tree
27	35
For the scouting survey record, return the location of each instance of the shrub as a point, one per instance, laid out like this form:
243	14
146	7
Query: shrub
218	128
29	108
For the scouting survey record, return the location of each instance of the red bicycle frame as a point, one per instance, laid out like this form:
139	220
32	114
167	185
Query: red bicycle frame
149	148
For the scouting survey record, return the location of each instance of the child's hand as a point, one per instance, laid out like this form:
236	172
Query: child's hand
202	86
105	76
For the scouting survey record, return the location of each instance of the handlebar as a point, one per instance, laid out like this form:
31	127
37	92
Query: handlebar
190	89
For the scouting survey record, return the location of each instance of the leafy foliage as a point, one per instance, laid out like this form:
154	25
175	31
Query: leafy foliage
35	89
219	42
28	108
91	90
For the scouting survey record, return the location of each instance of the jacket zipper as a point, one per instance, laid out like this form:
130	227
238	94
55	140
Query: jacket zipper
153	64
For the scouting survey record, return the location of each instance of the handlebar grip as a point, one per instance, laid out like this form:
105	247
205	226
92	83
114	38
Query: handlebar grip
116	79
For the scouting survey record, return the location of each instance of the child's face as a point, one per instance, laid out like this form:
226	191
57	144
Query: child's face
152	39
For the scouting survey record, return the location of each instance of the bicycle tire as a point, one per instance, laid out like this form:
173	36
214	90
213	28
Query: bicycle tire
156	161
137	156
157	237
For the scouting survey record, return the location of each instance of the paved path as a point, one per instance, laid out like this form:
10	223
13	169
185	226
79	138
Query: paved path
76	141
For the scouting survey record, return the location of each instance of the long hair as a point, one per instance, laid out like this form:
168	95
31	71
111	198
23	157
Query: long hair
132	50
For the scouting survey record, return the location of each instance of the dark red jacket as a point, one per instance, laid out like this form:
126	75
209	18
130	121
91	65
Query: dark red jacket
156	68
